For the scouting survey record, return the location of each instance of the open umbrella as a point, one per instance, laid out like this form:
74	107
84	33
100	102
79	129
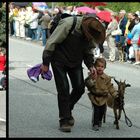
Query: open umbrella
104	15
94	4
41	6
85	9
20	4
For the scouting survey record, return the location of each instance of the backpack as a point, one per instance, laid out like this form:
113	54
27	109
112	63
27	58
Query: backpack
56	20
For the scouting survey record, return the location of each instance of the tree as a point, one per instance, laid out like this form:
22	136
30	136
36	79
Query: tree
3	25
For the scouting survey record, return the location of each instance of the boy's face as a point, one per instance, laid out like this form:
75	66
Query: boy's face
100	68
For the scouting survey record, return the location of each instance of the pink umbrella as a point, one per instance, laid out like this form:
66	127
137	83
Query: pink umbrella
36	4
85	9
41	6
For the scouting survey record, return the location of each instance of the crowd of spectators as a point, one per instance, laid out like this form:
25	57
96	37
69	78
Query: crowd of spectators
31	24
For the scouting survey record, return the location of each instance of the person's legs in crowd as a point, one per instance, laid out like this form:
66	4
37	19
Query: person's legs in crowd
39	32
127	52
22	30
29	34
14	28
34	34
11	28
26	32
112	47
17	28
44	39
137	54
101	47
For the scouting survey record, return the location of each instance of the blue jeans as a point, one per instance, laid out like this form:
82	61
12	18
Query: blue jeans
44	37
34	34
39	32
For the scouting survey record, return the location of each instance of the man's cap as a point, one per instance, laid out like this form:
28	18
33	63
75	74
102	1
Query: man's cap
93	29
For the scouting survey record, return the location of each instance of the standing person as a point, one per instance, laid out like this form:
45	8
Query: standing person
122	25
135	37
45	20
99	88
132	21
39	31
34	23
66	52
28	15
123	21
16	21
111	39
2	65
22	22
101	46
11	27
130	18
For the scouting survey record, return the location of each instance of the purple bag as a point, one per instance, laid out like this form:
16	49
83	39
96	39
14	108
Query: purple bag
34	72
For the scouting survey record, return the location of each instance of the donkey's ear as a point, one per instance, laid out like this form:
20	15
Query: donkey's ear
116	81
127	85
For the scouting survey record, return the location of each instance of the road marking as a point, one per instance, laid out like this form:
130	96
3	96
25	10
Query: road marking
2	120
29	65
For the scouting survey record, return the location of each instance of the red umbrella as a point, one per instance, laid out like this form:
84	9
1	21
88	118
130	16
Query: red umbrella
104	15
85	9
96	3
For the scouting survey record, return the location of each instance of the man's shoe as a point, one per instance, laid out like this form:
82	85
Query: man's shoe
64	125
95	127
71	121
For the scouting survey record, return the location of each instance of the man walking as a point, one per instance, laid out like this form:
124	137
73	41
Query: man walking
66	51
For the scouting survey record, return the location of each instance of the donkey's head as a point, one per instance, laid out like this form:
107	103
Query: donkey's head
121	86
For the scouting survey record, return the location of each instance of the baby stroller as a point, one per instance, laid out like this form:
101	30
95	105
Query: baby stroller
3	81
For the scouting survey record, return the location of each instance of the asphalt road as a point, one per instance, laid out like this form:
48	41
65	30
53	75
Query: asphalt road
33	110
3	114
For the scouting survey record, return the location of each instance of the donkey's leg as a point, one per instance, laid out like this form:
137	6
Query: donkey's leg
116	118
120	112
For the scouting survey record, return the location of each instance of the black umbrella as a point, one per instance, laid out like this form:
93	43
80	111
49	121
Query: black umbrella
21	4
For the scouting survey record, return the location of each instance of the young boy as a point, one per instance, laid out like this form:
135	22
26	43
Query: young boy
99	89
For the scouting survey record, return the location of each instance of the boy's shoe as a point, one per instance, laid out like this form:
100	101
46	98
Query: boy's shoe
100	124
71	121
95	127
64	125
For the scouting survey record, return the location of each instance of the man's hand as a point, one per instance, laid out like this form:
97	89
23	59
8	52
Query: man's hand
93	72
44	68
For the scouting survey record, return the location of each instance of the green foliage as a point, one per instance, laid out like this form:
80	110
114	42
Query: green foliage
128	6
2	25
114	6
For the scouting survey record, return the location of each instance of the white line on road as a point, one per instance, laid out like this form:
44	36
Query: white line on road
2	120
29	65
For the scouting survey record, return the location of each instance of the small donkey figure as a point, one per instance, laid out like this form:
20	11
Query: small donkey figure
118	103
